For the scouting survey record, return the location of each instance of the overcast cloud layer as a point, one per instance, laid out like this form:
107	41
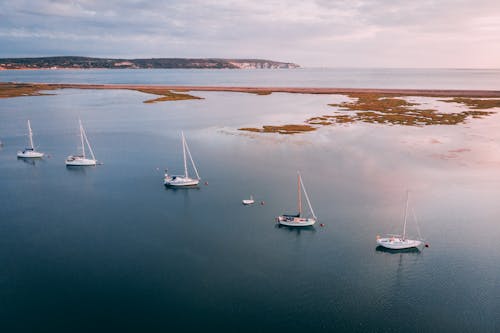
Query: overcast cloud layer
356	33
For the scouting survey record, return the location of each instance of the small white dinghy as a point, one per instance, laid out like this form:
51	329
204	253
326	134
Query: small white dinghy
183	180
247	202
30	152
82	159
400	242
298	220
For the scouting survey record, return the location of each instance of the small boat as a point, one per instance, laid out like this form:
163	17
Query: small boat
82	159
250	201
298	220
30	152
400	242
183	180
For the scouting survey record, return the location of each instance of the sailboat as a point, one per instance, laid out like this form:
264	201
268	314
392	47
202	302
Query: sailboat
183	180
82	159
400	242
247	202
29	152
298	220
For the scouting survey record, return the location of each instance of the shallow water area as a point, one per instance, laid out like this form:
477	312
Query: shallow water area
398	78
109	248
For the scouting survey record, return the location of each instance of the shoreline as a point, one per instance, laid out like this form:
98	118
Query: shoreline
267	90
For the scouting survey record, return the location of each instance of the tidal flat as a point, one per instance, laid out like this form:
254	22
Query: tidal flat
382	106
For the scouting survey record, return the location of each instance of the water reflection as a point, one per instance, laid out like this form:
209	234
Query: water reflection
386	250
297	230
181	189
76	169
30	161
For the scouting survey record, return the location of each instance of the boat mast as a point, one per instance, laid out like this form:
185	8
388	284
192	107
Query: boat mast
30	132
88	143
81	138
406	214
191	158
307	198
299	194
184	154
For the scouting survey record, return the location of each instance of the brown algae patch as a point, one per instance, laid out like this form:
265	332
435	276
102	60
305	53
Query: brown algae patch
166	95
474	103
375	102
22	89
387	109
329	119
260	92
284	129
379	108
10	89
368	106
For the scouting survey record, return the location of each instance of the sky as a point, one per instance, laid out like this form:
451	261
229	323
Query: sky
320	33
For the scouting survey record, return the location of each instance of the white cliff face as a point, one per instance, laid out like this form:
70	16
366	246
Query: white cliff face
263	65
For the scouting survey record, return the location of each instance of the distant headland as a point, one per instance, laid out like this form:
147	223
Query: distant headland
76	62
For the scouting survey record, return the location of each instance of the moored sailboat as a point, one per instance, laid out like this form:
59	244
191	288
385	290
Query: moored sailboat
400	242
299	220
30	152
82	159
183	180
247	202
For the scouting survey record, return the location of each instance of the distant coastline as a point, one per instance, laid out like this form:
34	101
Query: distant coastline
77	62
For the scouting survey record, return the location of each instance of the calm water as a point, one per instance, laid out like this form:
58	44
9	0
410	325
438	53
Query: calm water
303	77
108	248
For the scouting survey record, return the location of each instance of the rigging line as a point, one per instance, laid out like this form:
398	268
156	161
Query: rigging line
88	144
416	222
307	198
191	159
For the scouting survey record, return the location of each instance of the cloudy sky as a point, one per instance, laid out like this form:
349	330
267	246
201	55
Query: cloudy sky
333	33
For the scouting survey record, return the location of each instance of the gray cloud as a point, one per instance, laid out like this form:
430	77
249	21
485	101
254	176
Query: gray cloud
426	33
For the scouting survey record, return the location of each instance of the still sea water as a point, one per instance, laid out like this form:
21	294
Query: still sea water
110	249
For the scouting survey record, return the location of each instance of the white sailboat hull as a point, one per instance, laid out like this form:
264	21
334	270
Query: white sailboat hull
180	181
29	154
296	221
248	202
79	161
396	243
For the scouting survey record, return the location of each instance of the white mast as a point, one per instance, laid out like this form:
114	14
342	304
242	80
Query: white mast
88	143
299	194
191	158
30	133
307	198
184	154
81	137
406	214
